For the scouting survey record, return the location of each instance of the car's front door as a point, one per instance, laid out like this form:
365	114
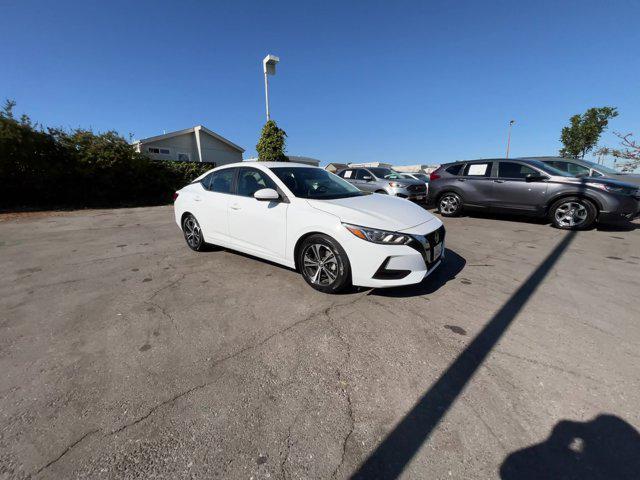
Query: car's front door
213	205
258	226
365	180
512	191
476	183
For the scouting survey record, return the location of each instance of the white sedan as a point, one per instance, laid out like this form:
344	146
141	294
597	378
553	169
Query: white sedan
313	221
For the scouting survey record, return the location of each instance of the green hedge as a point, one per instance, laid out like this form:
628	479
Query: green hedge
54	168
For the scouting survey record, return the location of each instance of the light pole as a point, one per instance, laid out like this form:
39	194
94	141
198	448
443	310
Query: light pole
511	122
269	67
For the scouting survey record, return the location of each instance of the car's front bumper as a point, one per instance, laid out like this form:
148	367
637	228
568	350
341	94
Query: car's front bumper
379	266
624	208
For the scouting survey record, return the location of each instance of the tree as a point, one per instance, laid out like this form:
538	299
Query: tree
272	143
629	151
584	131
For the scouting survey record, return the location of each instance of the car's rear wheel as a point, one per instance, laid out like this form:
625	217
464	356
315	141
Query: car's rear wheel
193	233
573	213
450	205
324	264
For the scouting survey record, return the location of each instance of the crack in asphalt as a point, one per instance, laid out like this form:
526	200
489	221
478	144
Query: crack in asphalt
324	312
65	451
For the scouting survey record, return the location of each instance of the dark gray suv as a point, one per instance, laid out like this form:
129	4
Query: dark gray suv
534	188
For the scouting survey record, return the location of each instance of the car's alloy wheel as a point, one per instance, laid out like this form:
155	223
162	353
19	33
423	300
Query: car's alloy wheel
320	264
573	213
324	264
570	215
450	204
193	233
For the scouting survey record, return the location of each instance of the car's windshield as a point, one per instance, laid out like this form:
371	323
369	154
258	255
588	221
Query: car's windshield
384	173
601	168
548	168
315	183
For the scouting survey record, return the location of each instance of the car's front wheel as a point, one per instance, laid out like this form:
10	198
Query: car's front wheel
450	205
193	233
573	213
324	264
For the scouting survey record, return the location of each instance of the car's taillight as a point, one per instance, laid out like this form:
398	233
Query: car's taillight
434	176
175	196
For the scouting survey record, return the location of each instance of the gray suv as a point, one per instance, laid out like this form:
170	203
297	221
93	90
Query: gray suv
534	188
385	180
583	168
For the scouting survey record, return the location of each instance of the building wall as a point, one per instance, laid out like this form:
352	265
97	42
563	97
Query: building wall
181	144
213	150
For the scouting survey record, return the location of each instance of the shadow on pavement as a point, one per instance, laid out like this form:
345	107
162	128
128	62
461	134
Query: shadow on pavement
604	448
395	452
452	266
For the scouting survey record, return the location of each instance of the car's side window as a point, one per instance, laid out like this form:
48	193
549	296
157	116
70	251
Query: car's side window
514	170
361	173
250	180
347	174
575	169
454	169
477	170
222	180
206	181
595	174
563	166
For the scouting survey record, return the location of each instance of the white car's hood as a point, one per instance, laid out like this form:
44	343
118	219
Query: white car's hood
376	211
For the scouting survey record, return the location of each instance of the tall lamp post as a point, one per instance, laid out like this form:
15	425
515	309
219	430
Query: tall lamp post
511	122
269	67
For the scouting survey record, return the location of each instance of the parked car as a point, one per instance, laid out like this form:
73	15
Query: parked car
583	168
385	181
309	219
534	188
422	177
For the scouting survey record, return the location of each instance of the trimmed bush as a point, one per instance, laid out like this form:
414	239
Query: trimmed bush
54	168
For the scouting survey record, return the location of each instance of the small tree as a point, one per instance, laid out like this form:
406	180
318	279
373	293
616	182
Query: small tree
629	151
272	143
584	131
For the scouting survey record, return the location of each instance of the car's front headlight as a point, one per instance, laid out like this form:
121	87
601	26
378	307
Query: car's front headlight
378	236
396	184
612	188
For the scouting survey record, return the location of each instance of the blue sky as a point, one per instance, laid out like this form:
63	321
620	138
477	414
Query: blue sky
396	81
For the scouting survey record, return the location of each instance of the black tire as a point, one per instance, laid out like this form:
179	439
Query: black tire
193	233
573	213
323	250
382	192
450	204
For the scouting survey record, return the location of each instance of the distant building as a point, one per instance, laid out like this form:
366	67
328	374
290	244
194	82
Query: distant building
415	168
336	167
196	144
294	158
371	164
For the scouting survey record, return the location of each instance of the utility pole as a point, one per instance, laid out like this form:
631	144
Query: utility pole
269	67
511	122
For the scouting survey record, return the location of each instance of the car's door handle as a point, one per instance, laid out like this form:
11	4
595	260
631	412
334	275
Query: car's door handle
235	207
498	181
197	198
462	179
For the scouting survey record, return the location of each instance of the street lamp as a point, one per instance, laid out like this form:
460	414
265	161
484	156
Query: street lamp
269	67
511	122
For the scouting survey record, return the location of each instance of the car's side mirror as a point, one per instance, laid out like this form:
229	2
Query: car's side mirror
367	178
266	195
535	177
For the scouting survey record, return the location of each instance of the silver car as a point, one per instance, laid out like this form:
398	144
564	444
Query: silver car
386	181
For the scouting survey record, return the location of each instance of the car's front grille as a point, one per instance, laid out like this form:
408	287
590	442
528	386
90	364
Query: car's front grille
417	188
425	243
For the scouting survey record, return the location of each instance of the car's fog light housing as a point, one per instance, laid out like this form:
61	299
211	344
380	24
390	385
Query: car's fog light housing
378	236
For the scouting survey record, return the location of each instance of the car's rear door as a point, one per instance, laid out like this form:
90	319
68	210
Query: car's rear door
257	226
213	205
476	183
513	192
